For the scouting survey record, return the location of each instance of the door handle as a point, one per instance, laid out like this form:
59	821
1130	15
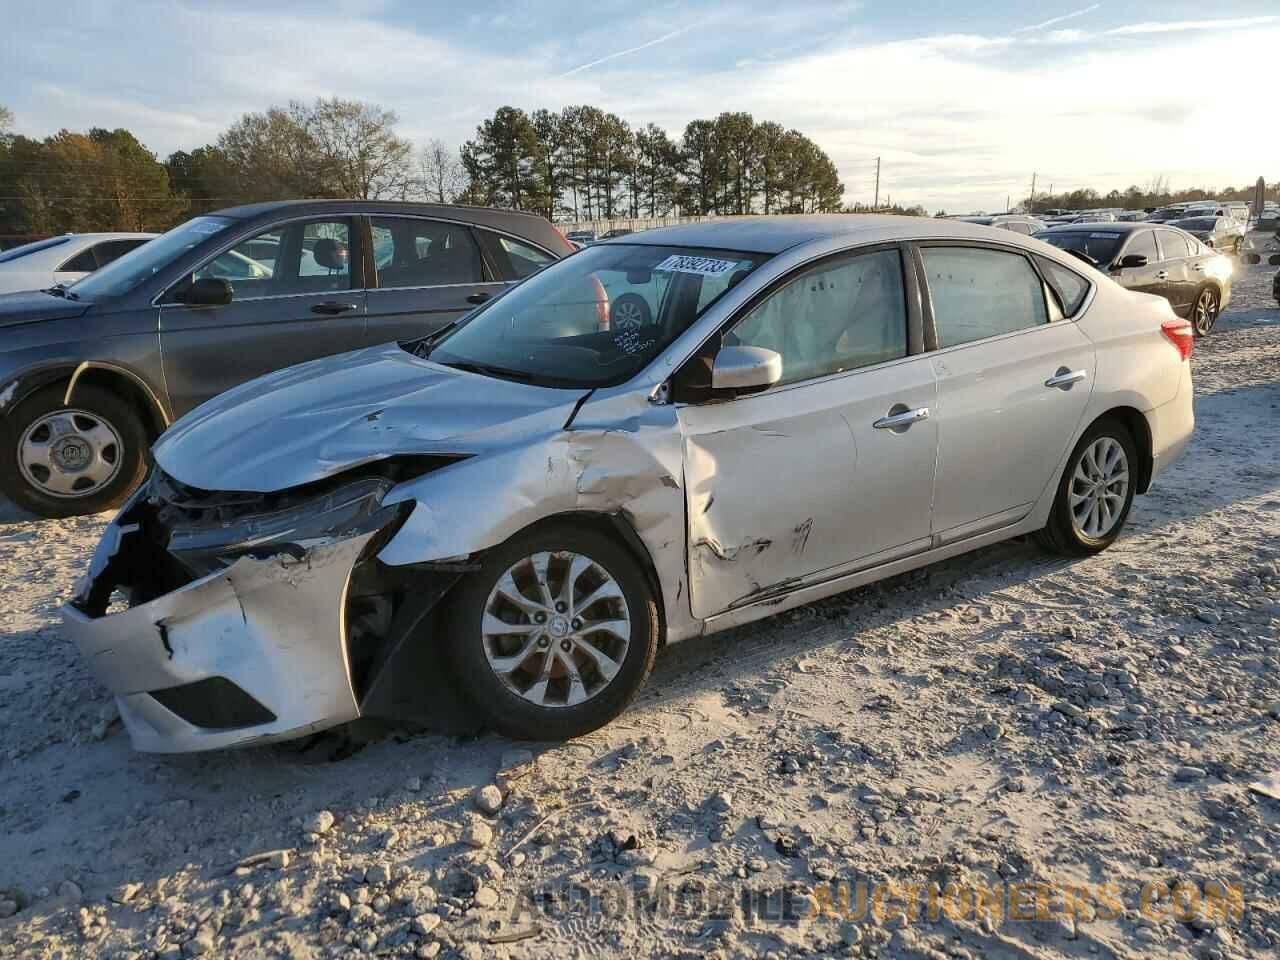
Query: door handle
333	308
1199	268
901	420
480	297
1162	275
1064	378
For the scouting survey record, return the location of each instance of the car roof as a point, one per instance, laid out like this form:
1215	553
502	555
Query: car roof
1118	226
518	222
778	233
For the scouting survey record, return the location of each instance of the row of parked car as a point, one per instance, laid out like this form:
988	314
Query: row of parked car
407	448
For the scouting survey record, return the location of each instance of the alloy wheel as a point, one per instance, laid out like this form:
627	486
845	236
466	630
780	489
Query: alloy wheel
1206	311
628	315
556	629
69	453
1099	488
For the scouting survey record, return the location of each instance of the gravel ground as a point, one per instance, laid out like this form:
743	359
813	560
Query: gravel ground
1004	721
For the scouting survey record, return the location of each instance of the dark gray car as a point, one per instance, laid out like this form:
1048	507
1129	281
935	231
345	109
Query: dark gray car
91	374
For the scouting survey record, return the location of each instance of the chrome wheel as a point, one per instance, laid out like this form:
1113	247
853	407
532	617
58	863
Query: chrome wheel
1099	488
1206	311
69	453
556	629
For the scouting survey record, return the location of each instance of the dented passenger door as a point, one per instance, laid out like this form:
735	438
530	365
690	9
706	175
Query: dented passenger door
831	469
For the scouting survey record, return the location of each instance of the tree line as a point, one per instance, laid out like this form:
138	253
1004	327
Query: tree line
577	163
582	163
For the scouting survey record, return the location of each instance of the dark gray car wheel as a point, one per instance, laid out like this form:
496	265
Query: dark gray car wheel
63	461
1204	311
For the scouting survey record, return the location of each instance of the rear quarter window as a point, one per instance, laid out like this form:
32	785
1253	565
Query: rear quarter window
1068	286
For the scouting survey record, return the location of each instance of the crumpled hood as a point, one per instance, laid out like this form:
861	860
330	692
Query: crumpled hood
31	306
316	419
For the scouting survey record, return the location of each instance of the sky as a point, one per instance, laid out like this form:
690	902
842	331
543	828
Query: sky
962	101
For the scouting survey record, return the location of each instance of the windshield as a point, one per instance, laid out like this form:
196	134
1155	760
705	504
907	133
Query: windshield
28	248
121	276
1197	223
1097	246
593	319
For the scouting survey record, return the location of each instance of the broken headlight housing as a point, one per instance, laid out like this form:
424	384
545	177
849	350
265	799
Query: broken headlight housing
204	546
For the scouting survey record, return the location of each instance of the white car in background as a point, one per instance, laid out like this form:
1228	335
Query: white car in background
64	259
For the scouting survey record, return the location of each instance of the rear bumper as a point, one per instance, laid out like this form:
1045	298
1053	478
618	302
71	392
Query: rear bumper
273	627
1172	425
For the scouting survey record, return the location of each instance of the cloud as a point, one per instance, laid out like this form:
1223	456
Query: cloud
960	120
1052	20
622	53
1179	26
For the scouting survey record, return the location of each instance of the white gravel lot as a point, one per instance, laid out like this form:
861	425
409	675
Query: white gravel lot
1001	718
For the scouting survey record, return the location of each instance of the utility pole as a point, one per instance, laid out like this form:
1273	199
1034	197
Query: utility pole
1033	192
877	206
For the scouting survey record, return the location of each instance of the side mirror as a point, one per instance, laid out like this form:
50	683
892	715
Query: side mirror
741	370
1132	260
206	292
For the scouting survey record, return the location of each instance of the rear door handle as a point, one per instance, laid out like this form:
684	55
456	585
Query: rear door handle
1064	378
333	308
1162	275
902	420
479	297
1199	268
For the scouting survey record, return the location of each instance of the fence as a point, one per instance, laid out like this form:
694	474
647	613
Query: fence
634	224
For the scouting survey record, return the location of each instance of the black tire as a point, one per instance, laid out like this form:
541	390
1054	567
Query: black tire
1061	534
629	312
1204	310
504	709
127	456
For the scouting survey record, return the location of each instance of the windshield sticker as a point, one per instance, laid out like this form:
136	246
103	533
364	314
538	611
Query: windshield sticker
704	266
1103	236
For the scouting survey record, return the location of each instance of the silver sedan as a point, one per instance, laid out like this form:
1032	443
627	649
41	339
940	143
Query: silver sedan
541	495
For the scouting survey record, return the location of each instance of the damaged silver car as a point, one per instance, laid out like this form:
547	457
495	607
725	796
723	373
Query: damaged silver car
543	493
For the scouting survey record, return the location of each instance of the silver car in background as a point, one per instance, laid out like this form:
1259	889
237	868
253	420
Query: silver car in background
542	494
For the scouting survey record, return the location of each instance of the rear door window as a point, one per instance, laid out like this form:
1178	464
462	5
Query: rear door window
411	252
979	293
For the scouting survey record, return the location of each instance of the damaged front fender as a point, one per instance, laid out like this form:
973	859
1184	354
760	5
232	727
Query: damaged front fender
620	456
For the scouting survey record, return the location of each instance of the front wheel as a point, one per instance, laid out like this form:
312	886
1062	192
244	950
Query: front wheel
1095	493
64	461
554	635
1204	312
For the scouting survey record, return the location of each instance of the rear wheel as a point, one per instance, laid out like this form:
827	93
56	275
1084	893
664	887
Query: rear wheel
1095	493
63	461
1204	311
555	634
630	312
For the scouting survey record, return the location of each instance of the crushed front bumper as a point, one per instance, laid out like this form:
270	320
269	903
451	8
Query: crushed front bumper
249	654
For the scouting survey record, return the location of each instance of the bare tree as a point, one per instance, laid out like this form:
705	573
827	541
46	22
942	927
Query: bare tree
359	148
443	177
6	120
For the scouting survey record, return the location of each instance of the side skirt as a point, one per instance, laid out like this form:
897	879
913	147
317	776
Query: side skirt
760	609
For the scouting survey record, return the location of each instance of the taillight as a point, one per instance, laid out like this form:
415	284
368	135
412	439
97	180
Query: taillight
1179	333
602	305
